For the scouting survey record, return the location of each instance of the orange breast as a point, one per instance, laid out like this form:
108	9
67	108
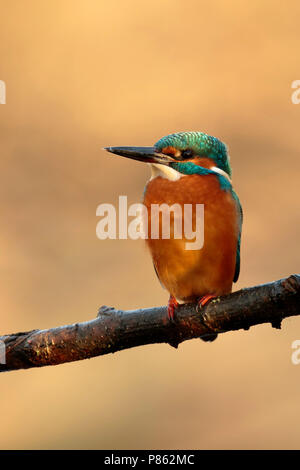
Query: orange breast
190	274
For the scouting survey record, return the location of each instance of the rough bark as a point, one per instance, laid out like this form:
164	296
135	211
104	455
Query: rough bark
114	330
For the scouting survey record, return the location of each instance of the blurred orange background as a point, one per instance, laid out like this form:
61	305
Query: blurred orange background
81	75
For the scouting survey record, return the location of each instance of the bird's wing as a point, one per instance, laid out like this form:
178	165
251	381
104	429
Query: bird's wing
238	248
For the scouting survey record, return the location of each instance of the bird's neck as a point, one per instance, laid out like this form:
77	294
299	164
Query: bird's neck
201	166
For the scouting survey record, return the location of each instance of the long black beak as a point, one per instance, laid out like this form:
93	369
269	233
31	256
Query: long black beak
142	154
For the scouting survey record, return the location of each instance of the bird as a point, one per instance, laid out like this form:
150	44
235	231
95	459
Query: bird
192	168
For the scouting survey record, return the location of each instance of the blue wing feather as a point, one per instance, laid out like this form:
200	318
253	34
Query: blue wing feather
238	248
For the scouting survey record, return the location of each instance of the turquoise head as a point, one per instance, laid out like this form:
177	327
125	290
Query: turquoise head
181	151
192	144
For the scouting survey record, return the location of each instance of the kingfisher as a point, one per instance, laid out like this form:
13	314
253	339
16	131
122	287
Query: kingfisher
192	168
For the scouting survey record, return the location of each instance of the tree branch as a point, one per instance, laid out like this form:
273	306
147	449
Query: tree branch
114	330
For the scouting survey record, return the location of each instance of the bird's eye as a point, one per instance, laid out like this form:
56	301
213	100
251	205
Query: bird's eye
187	153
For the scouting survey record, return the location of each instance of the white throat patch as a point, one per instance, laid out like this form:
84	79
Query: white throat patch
165	172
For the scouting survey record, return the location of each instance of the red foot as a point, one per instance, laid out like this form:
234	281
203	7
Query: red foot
172	304
206	298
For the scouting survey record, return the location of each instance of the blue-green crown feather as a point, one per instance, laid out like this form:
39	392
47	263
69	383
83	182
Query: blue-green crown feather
201	144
